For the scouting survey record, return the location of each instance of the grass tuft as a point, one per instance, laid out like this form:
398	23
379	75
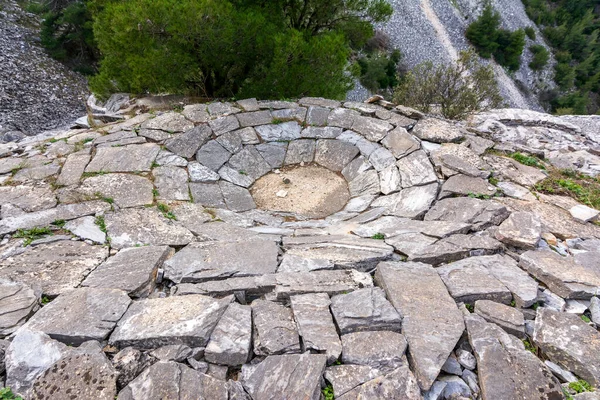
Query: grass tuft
32	234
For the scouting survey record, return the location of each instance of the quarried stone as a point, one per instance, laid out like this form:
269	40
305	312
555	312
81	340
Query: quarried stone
80	315
398	384
468	281
284	131
401	143
371	128
275	330
480	213
437	131
188	143
344	378
17	303
125	190
212	155
72	169
520	229
300	151
152	323
170	121
171	380
383	350
431	329
132	270
416	169
315	325
463	185
561	274
131	227
286	377
365	310
87	229
130	158
505	369
207	194
508	318
231	340
171	183
82	373
55	267
203	261
334	154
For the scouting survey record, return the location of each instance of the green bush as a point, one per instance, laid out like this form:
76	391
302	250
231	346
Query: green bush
227	48
540	57
459	88
530	32
489	40
378	71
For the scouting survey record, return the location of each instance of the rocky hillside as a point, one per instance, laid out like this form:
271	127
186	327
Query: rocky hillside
36	92
434	30
135	263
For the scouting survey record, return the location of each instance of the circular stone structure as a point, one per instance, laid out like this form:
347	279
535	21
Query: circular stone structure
312	191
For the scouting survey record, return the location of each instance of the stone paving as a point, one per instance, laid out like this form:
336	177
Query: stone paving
134	263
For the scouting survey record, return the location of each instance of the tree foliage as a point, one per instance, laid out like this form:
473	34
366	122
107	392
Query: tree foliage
459	88
540	57
489	40
572	27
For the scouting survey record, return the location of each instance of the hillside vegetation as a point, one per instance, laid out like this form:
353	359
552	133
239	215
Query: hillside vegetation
571	27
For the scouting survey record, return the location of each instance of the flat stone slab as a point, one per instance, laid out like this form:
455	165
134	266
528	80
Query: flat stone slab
567	340
283	131
523	287
505	369
431	329
400	142
463	185
28	355
199	262
437	131
231	341
520	229
508	318
398	384
334	154
480	213
171	380
55	267
315	325
27	198
416	169
345	377
394	226
345	251
171	183
46	217
469	281
383	350
169	121
126	190
152	323
130	158
132	270
84	372
275	330
365	310
18	302
131	227
561	274
412	202
80	315
212	155
286	377
87	229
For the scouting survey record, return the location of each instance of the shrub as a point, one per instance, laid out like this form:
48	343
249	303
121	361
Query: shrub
530	32
227	48
540	57
378	71
489	40
459	88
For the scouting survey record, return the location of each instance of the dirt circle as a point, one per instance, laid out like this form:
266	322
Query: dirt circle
311	191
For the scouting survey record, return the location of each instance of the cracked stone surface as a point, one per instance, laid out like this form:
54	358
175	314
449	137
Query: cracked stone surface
146	238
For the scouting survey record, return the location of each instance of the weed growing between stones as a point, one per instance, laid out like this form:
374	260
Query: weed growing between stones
582	188
32	234
99	221
529	346
164	209
7	394
586	319
328	392
59	223
470	307
378	236
527	160
580	386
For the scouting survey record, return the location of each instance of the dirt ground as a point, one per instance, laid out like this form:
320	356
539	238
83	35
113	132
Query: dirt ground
312	191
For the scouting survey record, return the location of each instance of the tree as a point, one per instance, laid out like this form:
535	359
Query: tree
459	89
540	57
483	33
225	48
